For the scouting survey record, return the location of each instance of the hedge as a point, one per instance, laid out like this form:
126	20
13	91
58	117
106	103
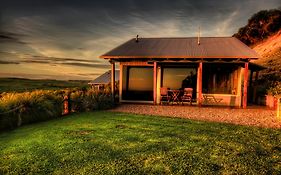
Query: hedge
18	109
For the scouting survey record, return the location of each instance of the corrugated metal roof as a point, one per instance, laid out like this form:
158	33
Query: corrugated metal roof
105	78
210	47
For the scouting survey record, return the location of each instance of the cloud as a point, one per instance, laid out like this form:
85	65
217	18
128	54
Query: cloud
88	65
10	37
73	34
8	62
87	74
46	76
31	59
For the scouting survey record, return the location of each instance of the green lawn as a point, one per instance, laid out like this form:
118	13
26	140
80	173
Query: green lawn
116	143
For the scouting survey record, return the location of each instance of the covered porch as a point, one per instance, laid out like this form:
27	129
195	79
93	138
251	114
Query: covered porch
221	83
217	70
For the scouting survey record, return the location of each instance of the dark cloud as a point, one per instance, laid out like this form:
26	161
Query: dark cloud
58	60
10	37
87	74
8	62
88	65
36	61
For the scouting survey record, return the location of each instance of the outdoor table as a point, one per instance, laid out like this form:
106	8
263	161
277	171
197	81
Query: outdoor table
175	96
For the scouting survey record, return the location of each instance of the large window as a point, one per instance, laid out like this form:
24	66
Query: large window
179	78
220	79
139	84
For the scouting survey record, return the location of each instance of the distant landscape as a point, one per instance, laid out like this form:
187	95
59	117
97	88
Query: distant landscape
23	85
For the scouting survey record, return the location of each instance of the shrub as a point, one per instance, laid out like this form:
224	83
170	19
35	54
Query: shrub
28	107
76	101
97	100
17	109
275	89
90	100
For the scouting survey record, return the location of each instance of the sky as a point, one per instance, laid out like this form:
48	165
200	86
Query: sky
63	39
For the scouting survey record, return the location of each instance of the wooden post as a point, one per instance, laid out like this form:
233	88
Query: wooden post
255	87
120	82
113	79
251	78
251	88
65	105
155	82
245	85
278	108
199	79
257	75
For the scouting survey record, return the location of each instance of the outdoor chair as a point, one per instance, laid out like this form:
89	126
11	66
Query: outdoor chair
164	95
187	95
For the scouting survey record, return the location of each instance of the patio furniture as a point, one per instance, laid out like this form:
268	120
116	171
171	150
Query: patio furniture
211	99
175	96
164	95
187	95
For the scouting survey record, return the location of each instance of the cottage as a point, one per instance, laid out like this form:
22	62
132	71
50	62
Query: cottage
101	81
218	69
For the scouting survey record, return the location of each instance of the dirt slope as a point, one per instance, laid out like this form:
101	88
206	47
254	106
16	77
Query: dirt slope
270	52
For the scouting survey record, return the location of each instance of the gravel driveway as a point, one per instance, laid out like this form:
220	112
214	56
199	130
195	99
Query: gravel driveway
253	116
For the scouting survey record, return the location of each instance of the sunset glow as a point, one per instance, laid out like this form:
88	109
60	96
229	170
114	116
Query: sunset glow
63	40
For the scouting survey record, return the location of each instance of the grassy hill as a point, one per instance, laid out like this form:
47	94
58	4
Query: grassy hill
270	52
21	85
263	34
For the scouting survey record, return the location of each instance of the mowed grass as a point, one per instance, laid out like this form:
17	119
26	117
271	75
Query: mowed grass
116	143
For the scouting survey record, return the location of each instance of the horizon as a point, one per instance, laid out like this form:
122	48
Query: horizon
63	40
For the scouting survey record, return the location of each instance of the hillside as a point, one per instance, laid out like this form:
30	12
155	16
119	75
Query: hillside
270	52
260	26
263	34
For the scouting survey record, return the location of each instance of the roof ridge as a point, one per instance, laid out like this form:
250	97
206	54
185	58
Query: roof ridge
184	37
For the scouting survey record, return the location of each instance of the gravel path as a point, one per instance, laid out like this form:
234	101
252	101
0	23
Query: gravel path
260	117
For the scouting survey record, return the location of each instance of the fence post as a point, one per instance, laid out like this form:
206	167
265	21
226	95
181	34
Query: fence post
65	105
279	108
19	123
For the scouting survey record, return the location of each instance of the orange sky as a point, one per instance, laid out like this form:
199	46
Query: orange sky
64	39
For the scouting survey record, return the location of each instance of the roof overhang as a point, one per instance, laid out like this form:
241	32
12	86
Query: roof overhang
175	57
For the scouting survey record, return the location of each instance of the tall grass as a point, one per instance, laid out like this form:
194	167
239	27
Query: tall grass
90	100
18	109
28	107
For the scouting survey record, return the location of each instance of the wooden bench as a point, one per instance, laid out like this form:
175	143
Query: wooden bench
211	99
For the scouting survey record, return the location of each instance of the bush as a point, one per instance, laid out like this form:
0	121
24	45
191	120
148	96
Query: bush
76	101
275	89
260	26
28	107
90	100
97	100
18	109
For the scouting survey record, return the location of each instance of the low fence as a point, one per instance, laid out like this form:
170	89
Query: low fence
18	109
279	109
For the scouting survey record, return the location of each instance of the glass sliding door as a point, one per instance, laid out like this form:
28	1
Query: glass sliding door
179	78
139	84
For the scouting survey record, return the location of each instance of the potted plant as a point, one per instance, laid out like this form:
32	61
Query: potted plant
274	93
